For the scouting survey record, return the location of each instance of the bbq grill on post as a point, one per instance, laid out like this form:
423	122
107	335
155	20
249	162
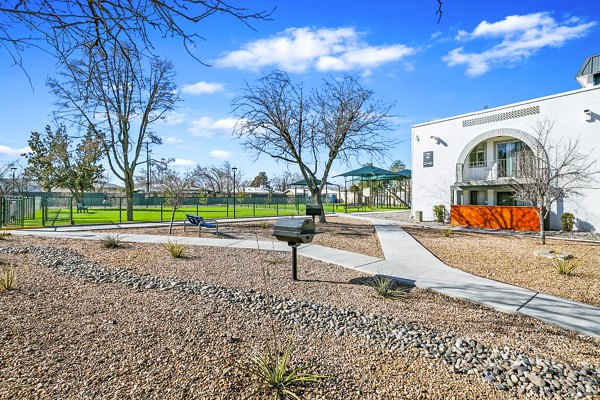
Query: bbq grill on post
294	231
313	210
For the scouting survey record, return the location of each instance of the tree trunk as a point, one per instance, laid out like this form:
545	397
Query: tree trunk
129	198
542	226
317	200
172	218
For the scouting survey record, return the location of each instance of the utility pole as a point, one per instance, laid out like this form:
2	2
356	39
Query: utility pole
234	196
13	180
147	168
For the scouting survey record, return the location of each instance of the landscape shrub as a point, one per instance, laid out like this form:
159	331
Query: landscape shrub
175	249
264	225
567	220
388	288
274	260
566	266
4	235
447	232
274	377
111	241
439	211
7	279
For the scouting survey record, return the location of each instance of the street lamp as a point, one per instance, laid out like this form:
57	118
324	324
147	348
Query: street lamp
13	169
234	196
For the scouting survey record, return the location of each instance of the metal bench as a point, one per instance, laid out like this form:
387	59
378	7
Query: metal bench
82	207
200	222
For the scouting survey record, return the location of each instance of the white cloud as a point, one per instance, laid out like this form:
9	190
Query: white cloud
171	140
300	49
174	118
208	127
220	154
203	88
181	162
519	36
435	35
10	152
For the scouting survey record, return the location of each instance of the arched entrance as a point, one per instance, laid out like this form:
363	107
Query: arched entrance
485	169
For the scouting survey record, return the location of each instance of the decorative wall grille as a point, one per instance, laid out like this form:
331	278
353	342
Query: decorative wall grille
524	112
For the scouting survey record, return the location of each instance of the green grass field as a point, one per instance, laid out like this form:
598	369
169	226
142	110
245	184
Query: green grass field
100	215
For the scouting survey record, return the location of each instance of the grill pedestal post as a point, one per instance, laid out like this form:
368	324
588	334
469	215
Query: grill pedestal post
294	247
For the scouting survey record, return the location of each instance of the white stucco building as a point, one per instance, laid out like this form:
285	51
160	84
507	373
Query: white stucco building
465	160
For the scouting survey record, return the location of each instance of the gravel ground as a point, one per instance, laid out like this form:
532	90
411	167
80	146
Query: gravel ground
510	259
122	331
339	233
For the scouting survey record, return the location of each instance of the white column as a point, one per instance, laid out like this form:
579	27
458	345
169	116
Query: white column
491	197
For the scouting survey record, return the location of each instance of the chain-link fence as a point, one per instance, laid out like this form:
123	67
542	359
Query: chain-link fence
48	209
16	210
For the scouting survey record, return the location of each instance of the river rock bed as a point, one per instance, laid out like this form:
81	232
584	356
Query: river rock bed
504	368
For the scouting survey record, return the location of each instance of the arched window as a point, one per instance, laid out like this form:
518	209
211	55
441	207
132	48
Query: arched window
477	157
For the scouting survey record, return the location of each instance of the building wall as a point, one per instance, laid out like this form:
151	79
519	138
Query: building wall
565	110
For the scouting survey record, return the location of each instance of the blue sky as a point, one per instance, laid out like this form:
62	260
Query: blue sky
480	54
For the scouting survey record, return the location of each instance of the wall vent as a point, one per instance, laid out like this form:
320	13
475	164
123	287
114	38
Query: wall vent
523	112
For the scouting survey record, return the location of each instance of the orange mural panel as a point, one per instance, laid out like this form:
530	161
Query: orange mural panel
495	217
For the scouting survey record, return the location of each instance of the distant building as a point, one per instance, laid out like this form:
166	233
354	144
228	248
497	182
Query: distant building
465	161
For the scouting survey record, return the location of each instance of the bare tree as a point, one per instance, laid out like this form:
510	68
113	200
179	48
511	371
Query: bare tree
120	95
175	187
158	172
551	171
282	182
7	184
62	28
339	120
217	178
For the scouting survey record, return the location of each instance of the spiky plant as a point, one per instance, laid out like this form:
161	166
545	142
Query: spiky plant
111	241
565	266
7	279
4	235
388	288
273	375
175	249
273	260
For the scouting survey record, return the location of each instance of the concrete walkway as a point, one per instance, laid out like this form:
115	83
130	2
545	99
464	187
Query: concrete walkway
406	260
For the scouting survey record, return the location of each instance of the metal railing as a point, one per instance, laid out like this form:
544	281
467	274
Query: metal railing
497	169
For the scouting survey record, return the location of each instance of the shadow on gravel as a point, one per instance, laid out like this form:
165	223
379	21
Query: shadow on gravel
368	281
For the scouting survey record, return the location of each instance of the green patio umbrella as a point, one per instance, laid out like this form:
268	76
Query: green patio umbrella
302	182
369	170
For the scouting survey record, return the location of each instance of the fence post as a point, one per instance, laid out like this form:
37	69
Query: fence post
254	206
22	211
120	209
277	205
43	206
197	203
227	206
162	200
71	210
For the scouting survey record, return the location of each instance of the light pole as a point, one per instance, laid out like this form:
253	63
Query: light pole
13	169
234	196
147	169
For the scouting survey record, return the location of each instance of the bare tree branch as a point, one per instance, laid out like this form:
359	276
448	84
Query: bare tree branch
121	95
551	171
64	28
340	120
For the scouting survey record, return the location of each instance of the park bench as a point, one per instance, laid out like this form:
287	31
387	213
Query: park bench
82	207
354	205
200	222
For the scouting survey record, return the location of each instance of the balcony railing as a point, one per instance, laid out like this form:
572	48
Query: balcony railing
497	169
